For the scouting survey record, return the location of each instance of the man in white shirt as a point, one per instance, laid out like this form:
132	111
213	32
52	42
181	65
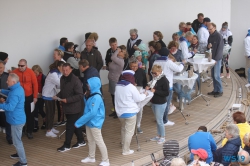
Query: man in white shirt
184	45
247	54
203	34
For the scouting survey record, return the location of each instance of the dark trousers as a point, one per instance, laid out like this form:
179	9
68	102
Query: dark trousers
2	119
29	114
71	129
6	125
113	99
50	112
38	109
59	111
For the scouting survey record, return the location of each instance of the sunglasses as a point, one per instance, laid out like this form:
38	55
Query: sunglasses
21	65
153	73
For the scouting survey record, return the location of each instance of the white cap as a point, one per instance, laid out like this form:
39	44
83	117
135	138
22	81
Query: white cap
128	71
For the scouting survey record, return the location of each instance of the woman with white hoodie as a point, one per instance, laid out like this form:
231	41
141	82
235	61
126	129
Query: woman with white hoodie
50	89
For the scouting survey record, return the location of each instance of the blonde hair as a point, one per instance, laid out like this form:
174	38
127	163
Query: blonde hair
60	52
94	36
37	68
181	24
156	68
246	139
178	162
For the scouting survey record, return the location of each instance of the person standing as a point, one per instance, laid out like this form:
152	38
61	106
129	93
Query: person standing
203	35
15	115
183	46
29	83
110	51
93	56
5	57
71	97
93	118
63	41
215	42
157	36
133	42
69	51
197	22
247	55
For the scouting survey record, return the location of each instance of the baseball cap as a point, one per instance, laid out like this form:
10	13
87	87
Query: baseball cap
201	153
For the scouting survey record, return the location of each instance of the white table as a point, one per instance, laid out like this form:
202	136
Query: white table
187	84
200	66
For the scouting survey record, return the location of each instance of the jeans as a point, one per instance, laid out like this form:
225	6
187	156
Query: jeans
158	110
178	89
16	132
8	131
198	81
215	72
248	78
70	129
169	99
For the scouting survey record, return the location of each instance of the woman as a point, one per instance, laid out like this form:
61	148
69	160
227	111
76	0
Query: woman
115	70
158	38
73	61
126	98
160	87
228	39
246	141
58	55
231	148
50	89
200	156
194	44
40	102
154	47
94	36
239	119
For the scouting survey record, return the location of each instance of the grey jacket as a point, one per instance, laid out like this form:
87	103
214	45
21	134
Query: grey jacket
115	67
71	90
217	45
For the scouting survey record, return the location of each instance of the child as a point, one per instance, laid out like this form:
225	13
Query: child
138	57
40	102
143	48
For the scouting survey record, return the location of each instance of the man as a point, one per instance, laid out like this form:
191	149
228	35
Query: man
63	41
141	81
203	34
4	57
133	42
88	72
182	27
71	97
247	55
197	23
69	51
29	83
215	41
93	56
204	140
184	45
15	115
110	51
4	85
243	158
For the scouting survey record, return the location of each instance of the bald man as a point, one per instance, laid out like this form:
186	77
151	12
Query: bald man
243	158
93	56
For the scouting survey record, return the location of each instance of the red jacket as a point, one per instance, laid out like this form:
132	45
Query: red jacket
28	81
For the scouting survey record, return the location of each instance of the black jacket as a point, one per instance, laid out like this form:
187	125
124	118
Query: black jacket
217	45
108	56
140	78
130	48
161	91
196	25
67	55
71	90
94	57
3	82
162	43
88	73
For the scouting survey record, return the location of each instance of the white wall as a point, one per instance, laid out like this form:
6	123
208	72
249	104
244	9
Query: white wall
32	29
239	27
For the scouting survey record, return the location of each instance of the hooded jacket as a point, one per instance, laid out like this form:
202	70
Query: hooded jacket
94	111
217	45
88	73
14	105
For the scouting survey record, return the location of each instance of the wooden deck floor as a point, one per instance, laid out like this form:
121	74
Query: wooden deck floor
41	151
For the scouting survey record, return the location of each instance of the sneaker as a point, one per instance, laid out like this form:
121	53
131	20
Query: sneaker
78	145
88	160
155	138
63	149
128	153
51	134
104	163
211	93
20	164
149	104
112	109
202	79
207	78
4	131
228	75
10	142
171	110
43	126
139	130
62	123
169	123
112	114
221	76
14	156
29	135
115	116
54	131
247	85
161	141
35	129
177	100
218	94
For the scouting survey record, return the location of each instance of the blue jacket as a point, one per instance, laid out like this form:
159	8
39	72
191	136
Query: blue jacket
61	48
14	105
203	140
88	73
228	152
94	111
